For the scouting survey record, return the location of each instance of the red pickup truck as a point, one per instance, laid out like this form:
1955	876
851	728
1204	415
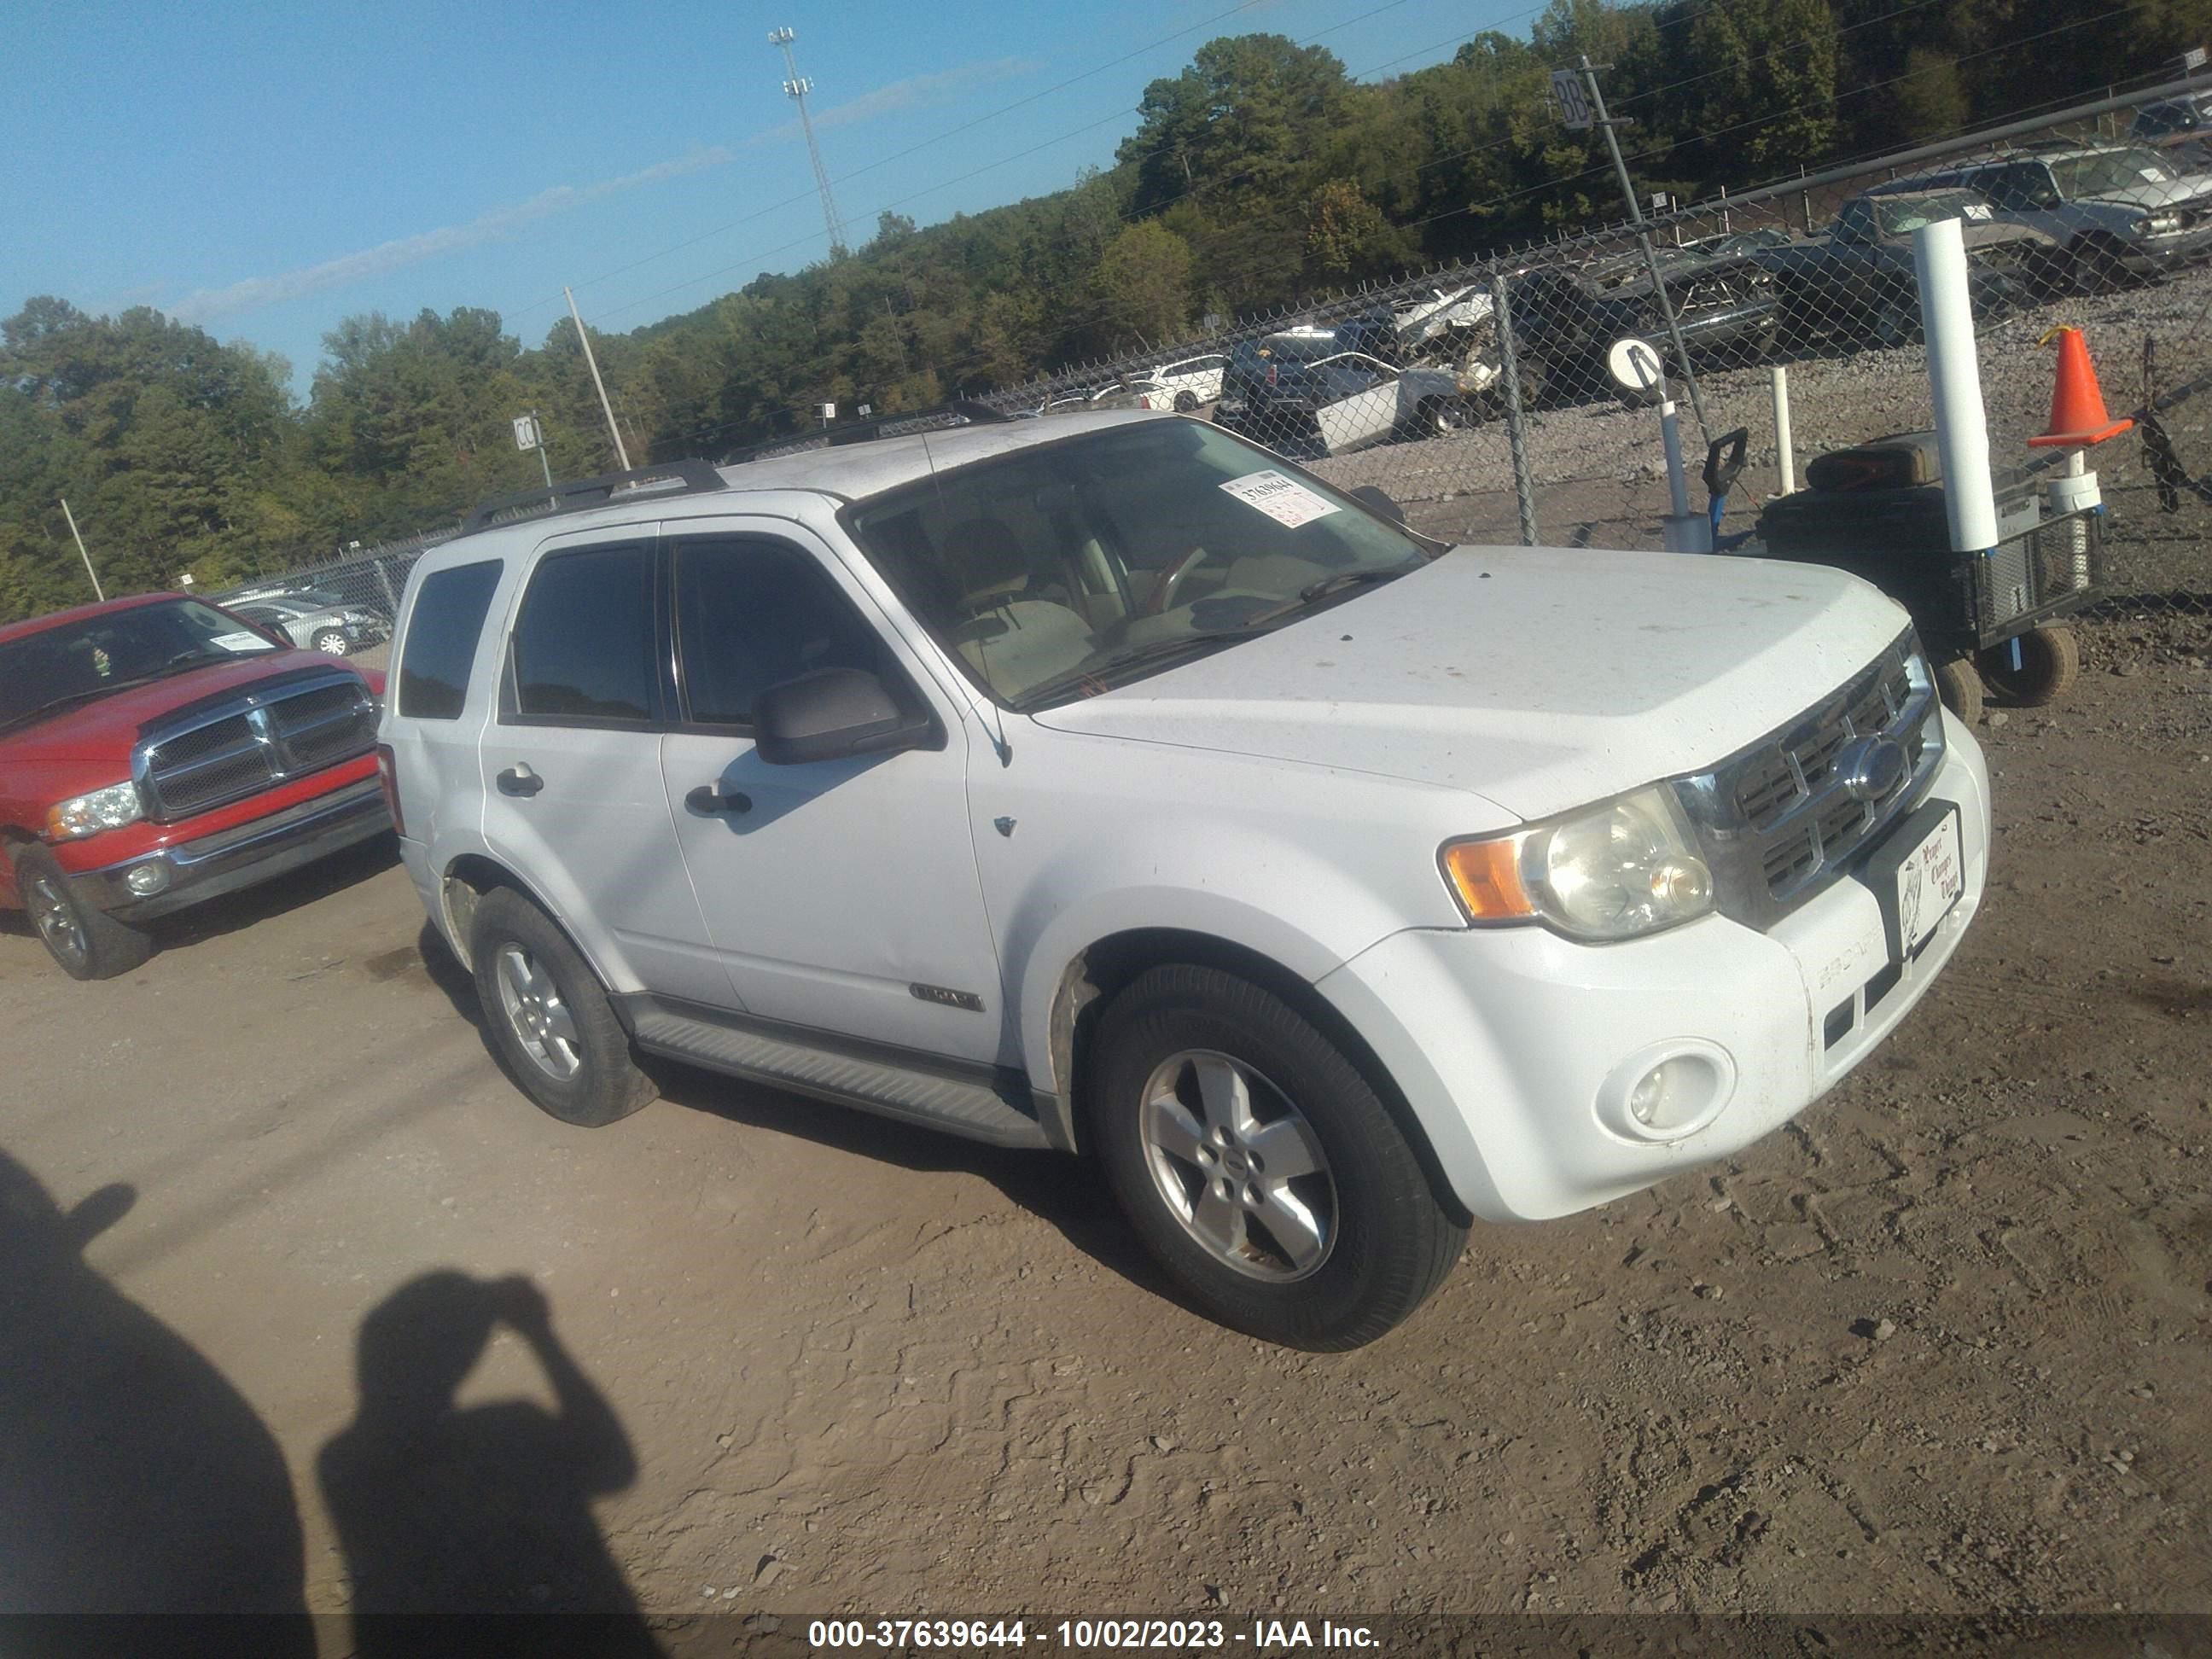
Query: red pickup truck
157	752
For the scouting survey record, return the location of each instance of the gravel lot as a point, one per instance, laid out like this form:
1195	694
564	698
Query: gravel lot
1939	1346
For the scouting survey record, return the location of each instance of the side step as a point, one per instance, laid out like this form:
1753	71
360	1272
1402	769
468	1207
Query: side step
977	1107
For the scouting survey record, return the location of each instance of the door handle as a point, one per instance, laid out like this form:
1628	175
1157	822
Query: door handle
710	797
519	779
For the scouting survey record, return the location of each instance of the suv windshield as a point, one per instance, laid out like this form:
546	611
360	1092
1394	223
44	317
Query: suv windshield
2101	172
1061	570
1902	215
78	662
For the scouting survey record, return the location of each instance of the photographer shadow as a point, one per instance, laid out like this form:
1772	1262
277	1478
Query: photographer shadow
448	1514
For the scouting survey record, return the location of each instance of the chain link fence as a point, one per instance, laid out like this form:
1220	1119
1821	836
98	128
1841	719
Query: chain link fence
1511	398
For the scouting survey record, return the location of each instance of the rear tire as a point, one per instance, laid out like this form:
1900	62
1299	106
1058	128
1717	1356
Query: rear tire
1960	684
2049	663
549	1018
86	943
1197	1082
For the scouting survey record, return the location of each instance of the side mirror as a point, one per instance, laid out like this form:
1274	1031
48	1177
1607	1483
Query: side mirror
833	713
1377	499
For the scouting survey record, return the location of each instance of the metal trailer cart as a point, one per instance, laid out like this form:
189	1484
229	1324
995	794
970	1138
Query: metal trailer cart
1991	621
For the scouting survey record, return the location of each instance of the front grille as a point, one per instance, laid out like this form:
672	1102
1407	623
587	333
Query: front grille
262	738
1779	820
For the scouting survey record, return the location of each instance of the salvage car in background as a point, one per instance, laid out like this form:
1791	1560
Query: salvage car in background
1190	382
316	624
2115	212
155	752
1856	281
1301	393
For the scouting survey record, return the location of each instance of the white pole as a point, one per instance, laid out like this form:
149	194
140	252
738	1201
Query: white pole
605	408
81	553
1684	532
1785	451
537	429
1954	377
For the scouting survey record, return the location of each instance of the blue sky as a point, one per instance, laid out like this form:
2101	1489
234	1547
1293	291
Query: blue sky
265	170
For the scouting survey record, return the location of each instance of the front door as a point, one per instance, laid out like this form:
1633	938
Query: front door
841	895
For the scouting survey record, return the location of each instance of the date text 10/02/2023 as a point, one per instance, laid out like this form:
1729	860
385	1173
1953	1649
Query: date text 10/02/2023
1262	1635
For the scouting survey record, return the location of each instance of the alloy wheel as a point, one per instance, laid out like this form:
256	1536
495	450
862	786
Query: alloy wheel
1239	1166
57	921
537	1014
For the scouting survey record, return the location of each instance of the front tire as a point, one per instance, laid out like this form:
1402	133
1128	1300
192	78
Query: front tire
548	1015
1259	1166
86	943
1185	402
331	642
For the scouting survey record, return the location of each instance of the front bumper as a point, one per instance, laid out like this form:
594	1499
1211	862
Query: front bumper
2154	256
1511	1046
252	851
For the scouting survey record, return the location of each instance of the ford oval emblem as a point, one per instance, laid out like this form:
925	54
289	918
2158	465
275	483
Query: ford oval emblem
1872	768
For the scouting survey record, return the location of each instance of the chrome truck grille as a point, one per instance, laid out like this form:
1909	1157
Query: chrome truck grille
1782	819
248	743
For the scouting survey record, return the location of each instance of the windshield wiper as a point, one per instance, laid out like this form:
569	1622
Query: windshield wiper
57	704
1128	657
1314	592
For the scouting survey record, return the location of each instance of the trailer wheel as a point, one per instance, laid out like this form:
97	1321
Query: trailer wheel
2049	663
1960	684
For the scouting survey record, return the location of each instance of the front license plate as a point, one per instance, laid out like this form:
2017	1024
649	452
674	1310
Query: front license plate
1930	879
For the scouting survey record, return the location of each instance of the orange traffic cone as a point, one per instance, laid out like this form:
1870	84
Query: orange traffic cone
2078	417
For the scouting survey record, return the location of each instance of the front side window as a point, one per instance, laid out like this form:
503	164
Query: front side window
442	640
583	644
752	613
1068	567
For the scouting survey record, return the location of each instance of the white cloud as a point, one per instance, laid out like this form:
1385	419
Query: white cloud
256	291
915	92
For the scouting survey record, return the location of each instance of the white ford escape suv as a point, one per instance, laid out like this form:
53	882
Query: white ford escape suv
1111	786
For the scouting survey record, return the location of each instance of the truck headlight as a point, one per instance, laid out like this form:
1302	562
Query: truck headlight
88	815
1617	870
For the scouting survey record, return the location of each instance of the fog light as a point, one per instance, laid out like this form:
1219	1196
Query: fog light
148	879
1668	1091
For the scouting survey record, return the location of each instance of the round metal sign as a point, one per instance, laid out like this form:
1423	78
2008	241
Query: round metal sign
1636	366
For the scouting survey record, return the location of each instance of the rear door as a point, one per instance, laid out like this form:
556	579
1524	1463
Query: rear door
571	763
841	896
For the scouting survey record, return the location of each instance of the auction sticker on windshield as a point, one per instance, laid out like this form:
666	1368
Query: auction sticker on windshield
237	642
1282	498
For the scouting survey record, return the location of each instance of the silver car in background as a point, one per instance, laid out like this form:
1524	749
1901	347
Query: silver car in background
334	629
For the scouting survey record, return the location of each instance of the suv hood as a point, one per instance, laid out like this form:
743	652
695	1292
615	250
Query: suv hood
1539	678
106	728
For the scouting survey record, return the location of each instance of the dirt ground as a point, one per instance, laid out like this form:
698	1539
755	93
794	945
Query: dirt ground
1940	1346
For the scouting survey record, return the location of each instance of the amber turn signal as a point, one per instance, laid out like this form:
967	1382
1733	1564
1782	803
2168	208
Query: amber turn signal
1486	875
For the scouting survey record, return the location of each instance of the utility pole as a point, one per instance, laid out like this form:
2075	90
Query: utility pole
1605	123
98	591
796	87
607	408
538	431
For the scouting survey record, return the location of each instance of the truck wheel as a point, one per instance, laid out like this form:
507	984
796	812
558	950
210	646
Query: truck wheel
87	943
2049	663
331	642
1960	684
1259	1166
549	1018
2097	267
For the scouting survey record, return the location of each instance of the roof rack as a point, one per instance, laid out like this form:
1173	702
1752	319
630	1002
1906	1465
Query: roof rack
961	411
576	495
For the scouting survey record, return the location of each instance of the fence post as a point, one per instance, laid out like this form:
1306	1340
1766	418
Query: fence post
1516	435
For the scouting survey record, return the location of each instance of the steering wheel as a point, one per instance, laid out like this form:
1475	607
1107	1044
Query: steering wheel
1170	579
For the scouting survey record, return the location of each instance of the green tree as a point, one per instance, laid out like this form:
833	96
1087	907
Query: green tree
1143	284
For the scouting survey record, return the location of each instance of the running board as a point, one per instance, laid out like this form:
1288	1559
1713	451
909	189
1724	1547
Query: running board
977	1107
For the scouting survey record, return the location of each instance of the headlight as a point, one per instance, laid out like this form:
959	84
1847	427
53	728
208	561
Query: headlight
354	616
88	815
1615	871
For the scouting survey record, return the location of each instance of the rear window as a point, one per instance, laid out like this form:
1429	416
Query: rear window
583	645
442	640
